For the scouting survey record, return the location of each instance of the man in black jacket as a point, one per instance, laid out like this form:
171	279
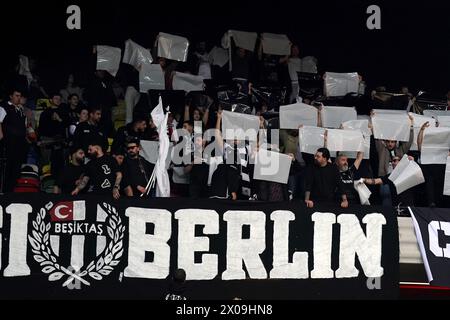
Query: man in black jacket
15	143
323	181
135	129
90	131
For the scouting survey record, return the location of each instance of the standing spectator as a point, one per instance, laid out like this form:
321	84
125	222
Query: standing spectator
71	89
290	146
89	131
323	181
102	172
101	94
72	108
349	175
202	64
405	199
136	170
434	175
136	129
294	64
53	125
70	178
198	171
387	150
14	136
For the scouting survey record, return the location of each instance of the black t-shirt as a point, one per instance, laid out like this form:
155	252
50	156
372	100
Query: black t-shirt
102	174
136	172
86	133
67	178
347	178
323	183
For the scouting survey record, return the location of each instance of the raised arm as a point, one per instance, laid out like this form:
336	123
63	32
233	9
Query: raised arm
359	159
219	136
420	136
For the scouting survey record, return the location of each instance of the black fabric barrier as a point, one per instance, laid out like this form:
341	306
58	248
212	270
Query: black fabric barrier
56	247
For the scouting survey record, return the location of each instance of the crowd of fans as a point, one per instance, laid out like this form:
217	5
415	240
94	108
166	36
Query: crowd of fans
77	147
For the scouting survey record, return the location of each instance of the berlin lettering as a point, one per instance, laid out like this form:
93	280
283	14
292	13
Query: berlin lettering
355	242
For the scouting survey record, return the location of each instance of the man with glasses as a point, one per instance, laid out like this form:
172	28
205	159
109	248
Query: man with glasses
136	171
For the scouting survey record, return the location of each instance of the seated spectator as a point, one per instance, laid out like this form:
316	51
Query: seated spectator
71	176
323	181
136	170
102	172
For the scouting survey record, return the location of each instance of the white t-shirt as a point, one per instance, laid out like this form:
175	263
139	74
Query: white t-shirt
2	114
294	66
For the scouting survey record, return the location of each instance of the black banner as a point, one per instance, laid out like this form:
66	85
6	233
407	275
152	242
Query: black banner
433	233
95	248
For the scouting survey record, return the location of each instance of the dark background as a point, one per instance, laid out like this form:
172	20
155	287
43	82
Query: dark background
412	48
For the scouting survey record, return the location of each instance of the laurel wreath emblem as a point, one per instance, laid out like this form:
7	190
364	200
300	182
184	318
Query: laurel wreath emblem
100	267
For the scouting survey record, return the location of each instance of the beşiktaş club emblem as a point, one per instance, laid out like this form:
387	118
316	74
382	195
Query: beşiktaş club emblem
67	221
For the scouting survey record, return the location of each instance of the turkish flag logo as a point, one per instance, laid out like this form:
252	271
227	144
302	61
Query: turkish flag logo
61	212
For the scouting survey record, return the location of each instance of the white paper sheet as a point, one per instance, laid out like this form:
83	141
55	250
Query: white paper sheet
387	111
339	84
362	125
151	77
276	44
420	120
272	166
348	140
406	175
136	55
172	47
239	126
108	59
363	192
242	39
294	115
311	139
366	150
391	127
435	145
187	82
435	113
309	64
444	121
218	57
447	178
333	117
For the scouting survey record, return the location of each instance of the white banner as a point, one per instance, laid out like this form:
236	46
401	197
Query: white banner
391	127
187	82
294	115
362	125
444	121
339	84
447	178
151	77
333	117
136	55
406	175
311	139
108	59
276	44
239	126
435	145
272	166
172	47
345	140
218	57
